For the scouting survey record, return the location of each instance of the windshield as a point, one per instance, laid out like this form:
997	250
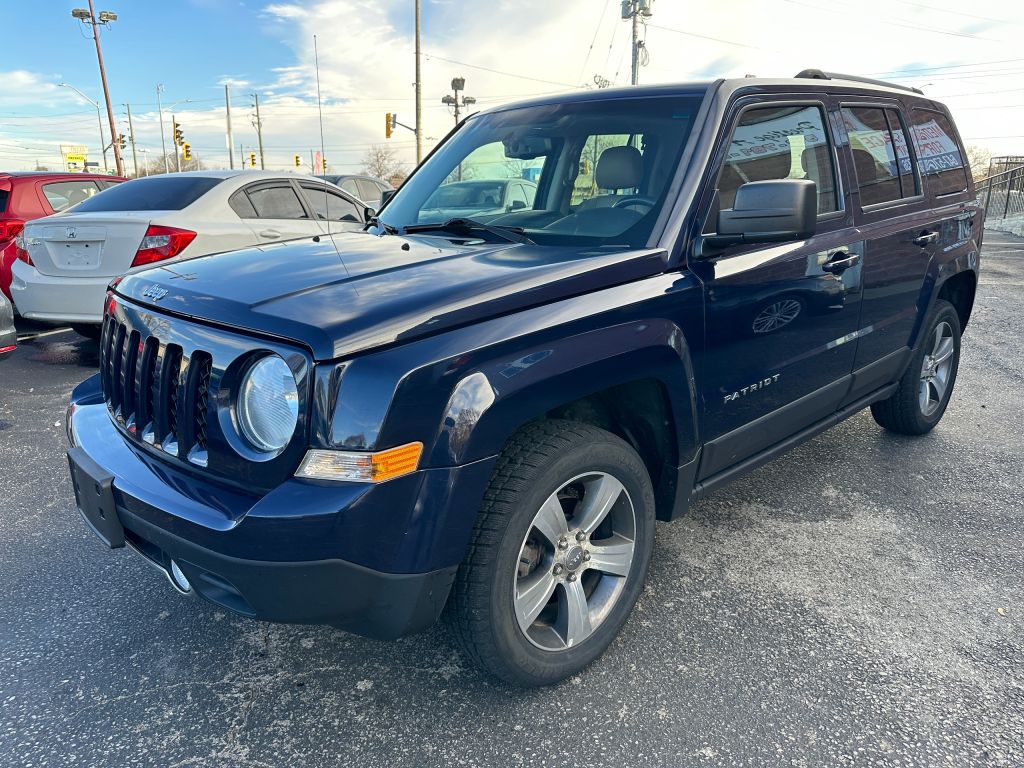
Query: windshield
587	173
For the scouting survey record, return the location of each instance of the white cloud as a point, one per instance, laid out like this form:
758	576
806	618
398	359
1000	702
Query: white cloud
367	64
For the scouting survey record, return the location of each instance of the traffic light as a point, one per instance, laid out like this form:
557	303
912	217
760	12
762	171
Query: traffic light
186	151
298	161
179	137
121	142
387	126
252	159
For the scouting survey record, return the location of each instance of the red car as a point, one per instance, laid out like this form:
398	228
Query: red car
34	194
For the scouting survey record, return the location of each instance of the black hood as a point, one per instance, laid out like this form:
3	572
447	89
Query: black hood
371	291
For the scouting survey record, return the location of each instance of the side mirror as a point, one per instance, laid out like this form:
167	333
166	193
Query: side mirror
768	212
517	205
386	195
368	214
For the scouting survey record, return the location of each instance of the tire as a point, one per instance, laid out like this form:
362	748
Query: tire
89	331
507	552
918	403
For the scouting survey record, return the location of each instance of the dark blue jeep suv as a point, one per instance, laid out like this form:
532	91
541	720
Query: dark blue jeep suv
483	416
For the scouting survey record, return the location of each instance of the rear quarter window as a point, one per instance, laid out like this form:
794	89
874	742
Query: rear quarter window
154	193
939	156
4	195
63	194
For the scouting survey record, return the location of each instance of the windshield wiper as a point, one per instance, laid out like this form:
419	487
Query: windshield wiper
512	234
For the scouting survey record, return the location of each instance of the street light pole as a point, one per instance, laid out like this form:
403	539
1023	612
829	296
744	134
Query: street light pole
163	141
131	135
419	92
458	84
105	18
99	119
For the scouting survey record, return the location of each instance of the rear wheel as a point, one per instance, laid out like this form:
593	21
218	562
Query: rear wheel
87	330
924	391
558	555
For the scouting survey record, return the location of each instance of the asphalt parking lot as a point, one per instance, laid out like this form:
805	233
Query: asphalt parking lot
859	601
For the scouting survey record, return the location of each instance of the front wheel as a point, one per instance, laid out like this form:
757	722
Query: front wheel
923	393
558	555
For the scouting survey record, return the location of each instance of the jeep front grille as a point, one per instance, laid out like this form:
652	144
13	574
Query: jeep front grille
155	392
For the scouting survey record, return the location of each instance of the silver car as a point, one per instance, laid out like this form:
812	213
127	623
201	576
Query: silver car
8	336
69	258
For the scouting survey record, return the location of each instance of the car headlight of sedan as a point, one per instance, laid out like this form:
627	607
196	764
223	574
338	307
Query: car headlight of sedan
268	404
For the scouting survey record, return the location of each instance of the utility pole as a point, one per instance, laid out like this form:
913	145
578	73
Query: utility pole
231	138
634	10
419	92
131	135
259	132
105	17
458	84
163	141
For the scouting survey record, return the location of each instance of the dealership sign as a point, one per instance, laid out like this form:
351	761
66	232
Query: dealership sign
74	157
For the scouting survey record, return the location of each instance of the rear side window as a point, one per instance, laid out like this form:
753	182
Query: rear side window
350	186
63	194
330	206
152	193
771	143
938	153
881	155
277	202
368	192
4	194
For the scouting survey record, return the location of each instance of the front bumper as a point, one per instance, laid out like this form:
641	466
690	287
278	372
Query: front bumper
290	555
57	299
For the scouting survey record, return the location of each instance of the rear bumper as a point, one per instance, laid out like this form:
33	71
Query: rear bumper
290	556
57	299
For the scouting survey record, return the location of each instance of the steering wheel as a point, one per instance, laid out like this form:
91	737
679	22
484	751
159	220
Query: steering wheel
625	202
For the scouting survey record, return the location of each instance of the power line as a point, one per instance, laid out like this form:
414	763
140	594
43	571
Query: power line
896	22
933	8
498	71
895	72
708	37
590	50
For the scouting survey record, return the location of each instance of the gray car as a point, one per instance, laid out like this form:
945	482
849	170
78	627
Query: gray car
8	336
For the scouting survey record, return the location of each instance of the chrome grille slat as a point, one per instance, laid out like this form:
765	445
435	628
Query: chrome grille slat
117	360
157	391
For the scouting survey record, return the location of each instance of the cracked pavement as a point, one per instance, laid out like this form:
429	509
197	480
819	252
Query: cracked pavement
858	601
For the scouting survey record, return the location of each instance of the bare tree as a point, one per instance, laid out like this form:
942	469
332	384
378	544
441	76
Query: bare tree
380	161
978	158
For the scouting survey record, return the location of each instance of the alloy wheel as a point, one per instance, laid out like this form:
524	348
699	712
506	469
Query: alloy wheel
936	368
574	561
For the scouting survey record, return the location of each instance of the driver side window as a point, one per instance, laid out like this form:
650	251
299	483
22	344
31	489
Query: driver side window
771	143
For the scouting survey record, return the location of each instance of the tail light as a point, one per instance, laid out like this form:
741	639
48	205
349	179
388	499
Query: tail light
10	228
161	243
20	249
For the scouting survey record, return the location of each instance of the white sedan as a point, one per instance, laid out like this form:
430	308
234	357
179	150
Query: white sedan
64	262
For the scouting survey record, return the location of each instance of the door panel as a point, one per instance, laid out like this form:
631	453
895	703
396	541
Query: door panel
782	320
892	213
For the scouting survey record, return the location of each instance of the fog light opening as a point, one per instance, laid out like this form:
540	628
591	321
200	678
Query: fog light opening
178	579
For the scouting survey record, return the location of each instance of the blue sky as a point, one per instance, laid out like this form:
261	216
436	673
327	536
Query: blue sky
504	48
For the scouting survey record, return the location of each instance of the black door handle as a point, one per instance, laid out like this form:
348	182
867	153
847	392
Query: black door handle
840	261
926	238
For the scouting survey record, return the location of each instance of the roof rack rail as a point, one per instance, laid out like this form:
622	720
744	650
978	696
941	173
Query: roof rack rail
817	74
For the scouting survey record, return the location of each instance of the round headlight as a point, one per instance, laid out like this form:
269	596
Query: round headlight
268	404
